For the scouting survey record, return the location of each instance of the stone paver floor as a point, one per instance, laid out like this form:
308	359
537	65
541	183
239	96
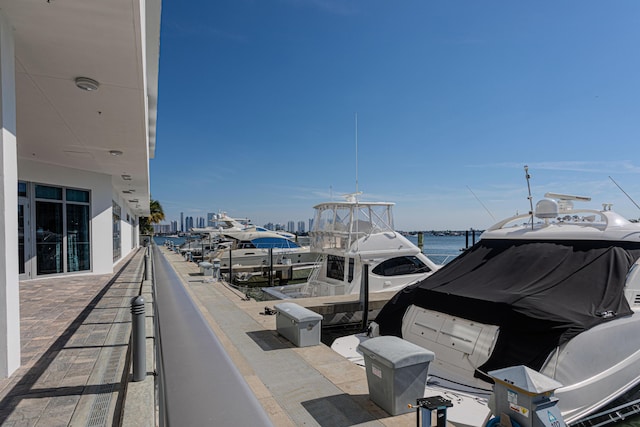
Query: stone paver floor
74	337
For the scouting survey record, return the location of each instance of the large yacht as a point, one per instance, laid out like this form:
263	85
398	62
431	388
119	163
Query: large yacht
556	290
350	236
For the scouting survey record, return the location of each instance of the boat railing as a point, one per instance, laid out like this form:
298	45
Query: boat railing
315	273
198	384
441	259
582	216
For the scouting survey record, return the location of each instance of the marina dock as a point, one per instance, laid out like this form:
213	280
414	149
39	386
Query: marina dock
296	386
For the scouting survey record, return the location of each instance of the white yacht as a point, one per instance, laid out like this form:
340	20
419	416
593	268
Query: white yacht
247	252
252	250
352	234
224	224
557	291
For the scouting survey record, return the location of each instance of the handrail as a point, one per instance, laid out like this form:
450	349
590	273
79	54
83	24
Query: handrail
563	217
198	383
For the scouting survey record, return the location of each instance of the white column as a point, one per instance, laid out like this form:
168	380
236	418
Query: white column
9	295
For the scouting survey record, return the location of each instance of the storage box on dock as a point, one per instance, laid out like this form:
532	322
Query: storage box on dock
396	372
299	325
206	268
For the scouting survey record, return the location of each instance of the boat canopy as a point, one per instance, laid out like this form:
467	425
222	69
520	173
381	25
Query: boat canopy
338	225
539	293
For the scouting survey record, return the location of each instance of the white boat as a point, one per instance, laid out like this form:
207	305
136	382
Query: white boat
352	234
557	291
246	250
254	248
224	224
196	244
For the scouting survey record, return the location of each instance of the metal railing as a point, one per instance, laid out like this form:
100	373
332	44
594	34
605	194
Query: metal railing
198	384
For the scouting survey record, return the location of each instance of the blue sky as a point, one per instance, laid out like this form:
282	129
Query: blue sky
258	98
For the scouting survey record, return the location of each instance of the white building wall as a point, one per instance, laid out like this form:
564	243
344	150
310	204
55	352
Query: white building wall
126	233
102	196
127	227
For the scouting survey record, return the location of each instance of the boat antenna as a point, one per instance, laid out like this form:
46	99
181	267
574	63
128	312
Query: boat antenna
480	201
356	131
356	213
528	177
625	193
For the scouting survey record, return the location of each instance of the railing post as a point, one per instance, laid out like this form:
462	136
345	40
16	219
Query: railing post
139	337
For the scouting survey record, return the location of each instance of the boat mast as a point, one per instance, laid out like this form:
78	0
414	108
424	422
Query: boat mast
356	213
527	176
356	130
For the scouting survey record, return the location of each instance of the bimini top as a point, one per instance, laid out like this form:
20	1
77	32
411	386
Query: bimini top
541	292
339	225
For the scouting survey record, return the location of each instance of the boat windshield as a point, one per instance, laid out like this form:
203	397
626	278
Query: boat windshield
273	242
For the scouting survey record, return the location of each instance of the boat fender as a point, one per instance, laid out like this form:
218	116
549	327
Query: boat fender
373	330
495	422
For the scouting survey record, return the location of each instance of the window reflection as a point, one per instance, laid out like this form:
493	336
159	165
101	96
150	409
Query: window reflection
49	237
78	244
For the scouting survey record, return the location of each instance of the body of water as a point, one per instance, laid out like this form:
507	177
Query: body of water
441	249
176	240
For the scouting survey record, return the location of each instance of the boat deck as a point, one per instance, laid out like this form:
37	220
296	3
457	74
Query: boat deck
296	386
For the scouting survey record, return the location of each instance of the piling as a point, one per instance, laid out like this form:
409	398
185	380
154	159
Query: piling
364	295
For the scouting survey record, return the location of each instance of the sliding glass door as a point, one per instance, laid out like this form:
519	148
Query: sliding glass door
62	230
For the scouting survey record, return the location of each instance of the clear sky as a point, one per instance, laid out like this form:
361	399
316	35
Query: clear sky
258	99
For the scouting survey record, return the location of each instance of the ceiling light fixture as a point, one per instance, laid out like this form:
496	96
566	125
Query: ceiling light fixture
115	152
85	83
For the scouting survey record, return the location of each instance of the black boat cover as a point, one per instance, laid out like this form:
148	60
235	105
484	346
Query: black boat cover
540	293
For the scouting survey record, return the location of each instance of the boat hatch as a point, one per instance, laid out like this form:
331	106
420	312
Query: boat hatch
458	343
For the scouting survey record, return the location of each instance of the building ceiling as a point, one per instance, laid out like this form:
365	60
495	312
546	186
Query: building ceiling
57	41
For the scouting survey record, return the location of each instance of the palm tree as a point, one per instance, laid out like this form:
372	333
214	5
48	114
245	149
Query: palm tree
156	212
156	215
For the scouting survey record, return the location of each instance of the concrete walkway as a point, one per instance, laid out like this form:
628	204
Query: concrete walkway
75	339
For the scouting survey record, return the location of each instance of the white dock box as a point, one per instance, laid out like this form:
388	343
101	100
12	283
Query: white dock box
206	268
396	372
299	325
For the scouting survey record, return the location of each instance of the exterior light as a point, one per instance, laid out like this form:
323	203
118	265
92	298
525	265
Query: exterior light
87	84
115	152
